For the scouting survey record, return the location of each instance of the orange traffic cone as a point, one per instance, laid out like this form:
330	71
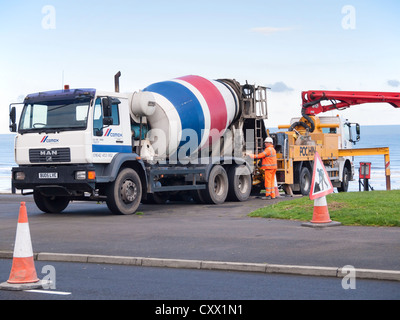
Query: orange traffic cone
321	213
23	267
277	195
321	216
23	273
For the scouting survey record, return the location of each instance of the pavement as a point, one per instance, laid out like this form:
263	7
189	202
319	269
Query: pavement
188	235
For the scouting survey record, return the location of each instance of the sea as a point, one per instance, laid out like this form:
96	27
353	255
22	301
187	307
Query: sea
371	136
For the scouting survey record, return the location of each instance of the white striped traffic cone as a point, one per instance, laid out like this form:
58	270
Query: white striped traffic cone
277	195
23	267
23	273
321	212
321	217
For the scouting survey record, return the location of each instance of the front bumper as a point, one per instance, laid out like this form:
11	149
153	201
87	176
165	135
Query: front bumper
53	180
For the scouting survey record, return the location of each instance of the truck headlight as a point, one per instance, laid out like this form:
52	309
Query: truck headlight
83	175
20	175
80	175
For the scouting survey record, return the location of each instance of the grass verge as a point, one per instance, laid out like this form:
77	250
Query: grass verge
374	208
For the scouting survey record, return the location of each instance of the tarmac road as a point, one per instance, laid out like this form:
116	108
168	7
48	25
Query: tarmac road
200	232
83	281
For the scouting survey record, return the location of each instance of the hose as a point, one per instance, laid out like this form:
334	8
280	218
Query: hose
311	126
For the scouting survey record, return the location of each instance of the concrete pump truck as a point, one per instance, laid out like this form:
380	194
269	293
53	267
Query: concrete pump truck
331	136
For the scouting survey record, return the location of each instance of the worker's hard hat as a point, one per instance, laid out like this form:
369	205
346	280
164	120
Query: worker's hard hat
269	140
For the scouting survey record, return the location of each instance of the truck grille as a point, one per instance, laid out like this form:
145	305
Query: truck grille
49	155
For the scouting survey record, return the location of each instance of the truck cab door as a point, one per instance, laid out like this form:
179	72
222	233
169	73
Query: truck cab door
110	135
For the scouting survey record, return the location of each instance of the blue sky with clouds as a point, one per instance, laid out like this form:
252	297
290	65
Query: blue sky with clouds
288	45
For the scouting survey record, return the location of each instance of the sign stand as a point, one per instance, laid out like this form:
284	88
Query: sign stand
321	186
364	174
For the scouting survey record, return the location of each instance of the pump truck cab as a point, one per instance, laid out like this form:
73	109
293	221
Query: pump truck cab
177	138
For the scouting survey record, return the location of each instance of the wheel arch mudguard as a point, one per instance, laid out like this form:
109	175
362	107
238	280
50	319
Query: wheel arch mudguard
123	160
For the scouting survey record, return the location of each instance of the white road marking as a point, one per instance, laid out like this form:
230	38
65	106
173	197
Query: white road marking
50	292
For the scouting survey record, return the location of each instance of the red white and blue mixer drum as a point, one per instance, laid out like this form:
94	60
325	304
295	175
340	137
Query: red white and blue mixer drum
192	107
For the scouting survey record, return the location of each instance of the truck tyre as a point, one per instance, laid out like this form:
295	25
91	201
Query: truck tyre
305	181
125	193
50	204
217	187
239	178
344	186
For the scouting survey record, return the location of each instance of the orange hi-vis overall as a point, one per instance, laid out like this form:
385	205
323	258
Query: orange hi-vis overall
269	165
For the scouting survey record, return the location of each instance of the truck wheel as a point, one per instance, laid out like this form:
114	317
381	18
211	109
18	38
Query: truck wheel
239	178
50	204
217	187
305	181
125	193
345	180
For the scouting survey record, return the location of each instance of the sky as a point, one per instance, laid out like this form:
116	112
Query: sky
289	46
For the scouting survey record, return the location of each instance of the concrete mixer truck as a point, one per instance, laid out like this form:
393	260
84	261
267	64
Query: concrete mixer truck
178	138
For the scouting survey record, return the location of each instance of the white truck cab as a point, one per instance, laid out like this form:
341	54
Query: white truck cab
67	142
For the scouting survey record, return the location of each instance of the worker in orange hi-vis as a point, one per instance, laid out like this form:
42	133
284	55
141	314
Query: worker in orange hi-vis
269	165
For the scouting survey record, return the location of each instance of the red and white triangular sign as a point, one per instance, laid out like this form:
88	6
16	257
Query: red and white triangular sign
321	184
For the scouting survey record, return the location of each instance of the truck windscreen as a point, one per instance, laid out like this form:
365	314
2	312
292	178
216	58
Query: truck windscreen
54	116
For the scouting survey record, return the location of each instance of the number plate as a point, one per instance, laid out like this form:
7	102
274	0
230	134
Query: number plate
48	175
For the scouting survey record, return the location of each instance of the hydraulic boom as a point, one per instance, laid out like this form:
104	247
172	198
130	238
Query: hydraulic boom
338	100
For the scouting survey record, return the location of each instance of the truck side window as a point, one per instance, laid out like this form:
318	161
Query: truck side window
115	114
98	116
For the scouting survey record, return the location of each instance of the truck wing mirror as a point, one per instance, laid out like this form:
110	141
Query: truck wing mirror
107	103
107	121
115	101
13	125
357	132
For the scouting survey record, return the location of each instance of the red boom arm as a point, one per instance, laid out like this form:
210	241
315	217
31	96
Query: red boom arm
344	99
